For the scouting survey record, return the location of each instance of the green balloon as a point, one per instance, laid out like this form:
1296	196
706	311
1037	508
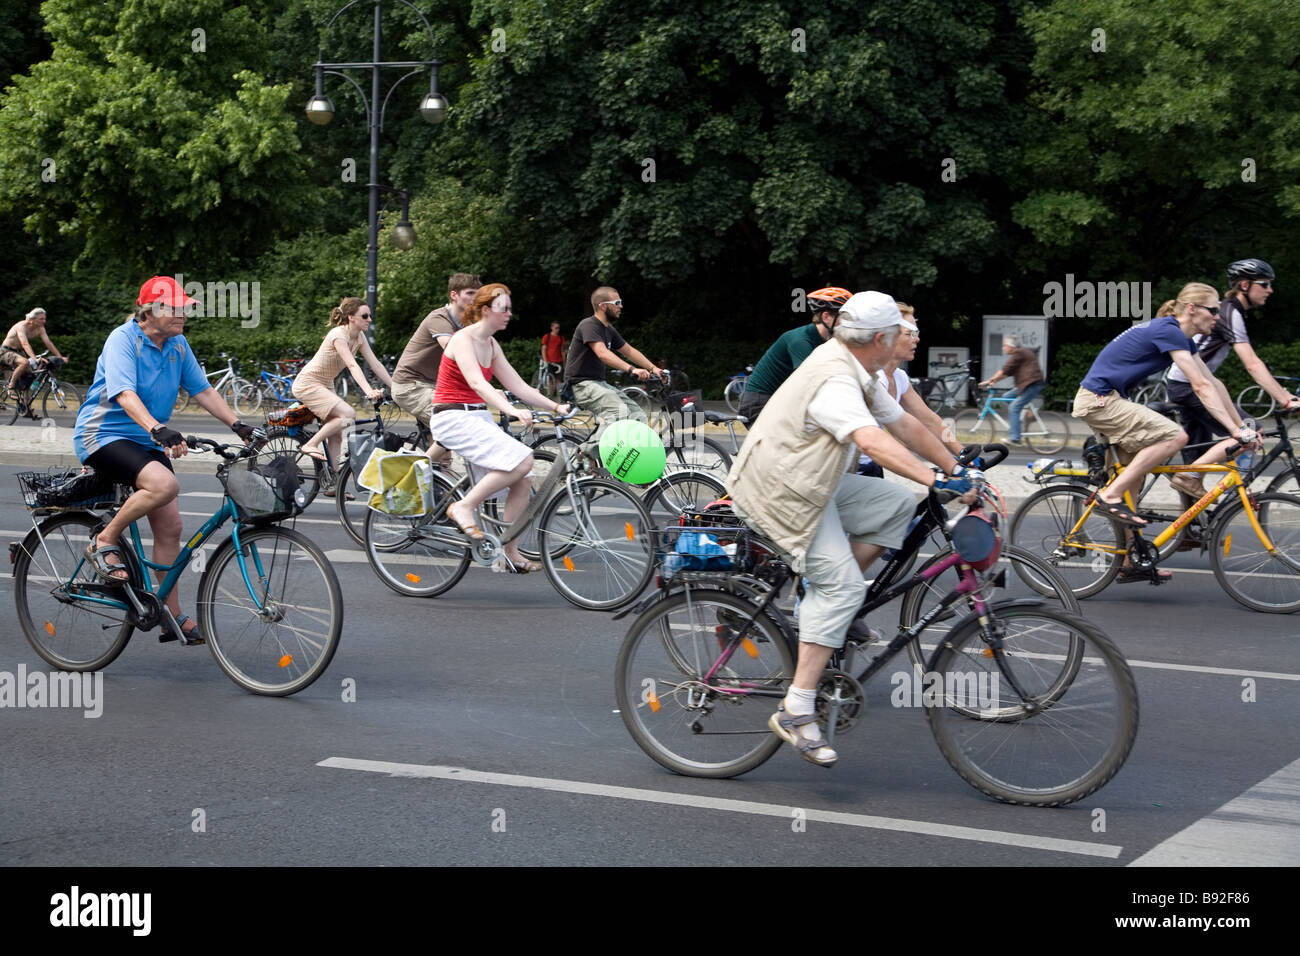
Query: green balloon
632	452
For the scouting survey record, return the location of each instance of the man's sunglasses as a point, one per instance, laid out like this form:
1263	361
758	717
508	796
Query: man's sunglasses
614	302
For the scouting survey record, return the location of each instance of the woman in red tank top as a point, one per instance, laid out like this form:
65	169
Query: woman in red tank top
472	358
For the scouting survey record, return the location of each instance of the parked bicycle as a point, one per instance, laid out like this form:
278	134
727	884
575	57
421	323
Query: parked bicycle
1257	403
1029	703
946	388
239	393
276	389
1253	539
41	387
592	535
269	603
1042	430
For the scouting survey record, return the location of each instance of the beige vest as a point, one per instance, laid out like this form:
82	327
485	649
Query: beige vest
784	476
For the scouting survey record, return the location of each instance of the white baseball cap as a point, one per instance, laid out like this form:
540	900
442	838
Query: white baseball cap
872	310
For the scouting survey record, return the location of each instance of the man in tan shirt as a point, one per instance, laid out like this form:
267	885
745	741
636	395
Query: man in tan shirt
1023	368
789	482
416	373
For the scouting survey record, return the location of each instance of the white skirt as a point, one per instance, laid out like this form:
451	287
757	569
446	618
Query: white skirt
479	440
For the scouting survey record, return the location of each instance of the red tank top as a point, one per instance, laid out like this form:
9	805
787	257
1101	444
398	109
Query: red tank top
451	385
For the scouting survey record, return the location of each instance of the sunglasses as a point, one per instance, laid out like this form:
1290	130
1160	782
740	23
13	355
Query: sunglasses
363	315
1264	284
614	302
1212	309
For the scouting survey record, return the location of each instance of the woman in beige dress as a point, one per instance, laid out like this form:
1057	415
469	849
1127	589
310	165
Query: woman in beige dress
314	385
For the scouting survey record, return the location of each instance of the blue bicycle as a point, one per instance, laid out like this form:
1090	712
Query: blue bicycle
269	603
1043	431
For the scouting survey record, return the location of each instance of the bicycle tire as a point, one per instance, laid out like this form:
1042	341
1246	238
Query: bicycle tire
1060	750
1022	567
66	397
494	508
1256	402
970	426
248	397
731	394
1287	483
67	635
597	544
409	561
1055	436
279	639
182	401
352	513
1091	559
1252	576
672	713
674	494
312	473
691	452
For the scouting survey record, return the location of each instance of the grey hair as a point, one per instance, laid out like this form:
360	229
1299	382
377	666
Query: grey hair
853	337
1012	340
35	312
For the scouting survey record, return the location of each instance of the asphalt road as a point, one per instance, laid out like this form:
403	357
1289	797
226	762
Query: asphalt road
504	680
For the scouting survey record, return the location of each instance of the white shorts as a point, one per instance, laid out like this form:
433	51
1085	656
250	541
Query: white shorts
477	438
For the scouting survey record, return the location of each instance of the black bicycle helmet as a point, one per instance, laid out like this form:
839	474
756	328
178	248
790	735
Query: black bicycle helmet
831	297
1249	269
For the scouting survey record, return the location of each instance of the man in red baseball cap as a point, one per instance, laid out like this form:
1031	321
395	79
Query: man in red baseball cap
164	289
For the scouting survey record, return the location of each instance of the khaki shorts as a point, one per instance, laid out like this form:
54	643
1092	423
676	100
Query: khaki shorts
416	398
1128	426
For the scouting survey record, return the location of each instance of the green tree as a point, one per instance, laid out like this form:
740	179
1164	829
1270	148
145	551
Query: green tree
1165	143
150	132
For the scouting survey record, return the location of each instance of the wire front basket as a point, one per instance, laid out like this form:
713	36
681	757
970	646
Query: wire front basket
66	490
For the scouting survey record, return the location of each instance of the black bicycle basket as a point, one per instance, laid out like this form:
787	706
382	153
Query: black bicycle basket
64	489
264	490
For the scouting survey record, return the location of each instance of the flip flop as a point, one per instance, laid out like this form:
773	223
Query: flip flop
315	453
525	567
1119	514
332	492
468	529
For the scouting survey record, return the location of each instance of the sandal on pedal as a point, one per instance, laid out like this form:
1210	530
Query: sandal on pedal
108	573
1188	485
1120	514
190	638
315	453
331	492
1134	575
504	564
468	528
787	727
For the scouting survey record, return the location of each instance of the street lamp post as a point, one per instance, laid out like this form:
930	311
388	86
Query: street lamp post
433	107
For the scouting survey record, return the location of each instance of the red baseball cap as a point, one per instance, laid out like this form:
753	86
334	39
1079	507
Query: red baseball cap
163	289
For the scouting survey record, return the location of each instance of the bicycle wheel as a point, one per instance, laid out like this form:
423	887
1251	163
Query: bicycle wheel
247	397
311	472
1046	748
350	513
494	508
64	397
1287	483
1046	432
71	635
970	425
277	636
597	544
406	553
1262	580
1027	575
1256	402
686	719
1087	555
182	401
690	452
672	495
731	394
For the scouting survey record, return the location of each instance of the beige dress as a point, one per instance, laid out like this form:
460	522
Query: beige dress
314	384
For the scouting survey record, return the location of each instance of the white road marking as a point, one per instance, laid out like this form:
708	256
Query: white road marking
1002	837
1261	827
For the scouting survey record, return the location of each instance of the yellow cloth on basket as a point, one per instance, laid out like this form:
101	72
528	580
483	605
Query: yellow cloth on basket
400	483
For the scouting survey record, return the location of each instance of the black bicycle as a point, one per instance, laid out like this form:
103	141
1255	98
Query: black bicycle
41	387
941	391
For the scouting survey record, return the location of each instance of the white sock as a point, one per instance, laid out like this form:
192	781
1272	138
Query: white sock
800	702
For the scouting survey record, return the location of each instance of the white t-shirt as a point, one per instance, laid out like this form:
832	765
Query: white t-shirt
844	403
902	382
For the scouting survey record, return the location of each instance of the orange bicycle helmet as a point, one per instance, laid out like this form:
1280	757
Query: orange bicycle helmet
832	298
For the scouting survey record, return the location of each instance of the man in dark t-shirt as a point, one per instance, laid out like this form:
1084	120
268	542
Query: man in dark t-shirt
597	344
788	352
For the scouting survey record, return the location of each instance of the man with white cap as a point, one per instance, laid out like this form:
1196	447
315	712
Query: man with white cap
791	482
